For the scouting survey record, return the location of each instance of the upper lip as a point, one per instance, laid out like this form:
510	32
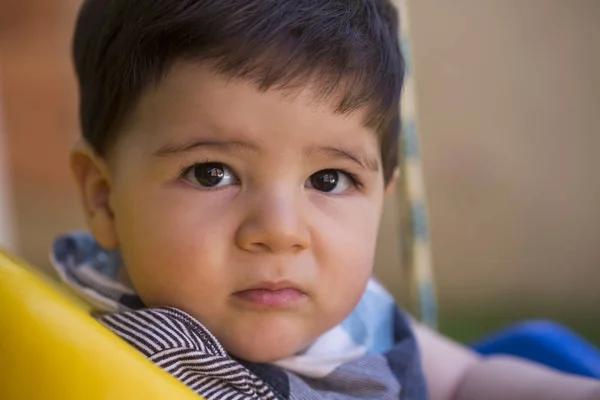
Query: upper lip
271	285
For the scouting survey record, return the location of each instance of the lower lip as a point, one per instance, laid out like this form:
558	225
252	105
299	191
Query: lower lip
271	298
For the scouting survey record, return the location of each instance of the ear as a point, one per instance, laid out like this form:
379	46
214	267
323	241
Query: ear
92	177
391	185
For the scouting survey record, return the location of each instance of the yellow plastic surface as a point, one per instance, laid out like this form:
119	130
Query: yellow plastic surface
51	348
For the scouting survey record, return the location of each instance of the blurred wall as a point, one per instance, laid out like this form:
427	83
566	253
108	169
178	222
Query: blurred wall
39	99
7	228
509	114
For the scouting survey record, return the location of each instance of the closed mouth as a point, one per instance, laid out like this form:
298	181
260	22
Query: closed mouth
271	295
274	286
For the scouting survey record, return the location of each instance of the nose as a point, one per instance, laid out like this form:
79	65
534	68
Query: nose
275	224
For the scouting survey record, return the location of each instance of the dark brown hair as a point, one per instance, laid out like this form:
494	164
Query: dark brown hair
349	48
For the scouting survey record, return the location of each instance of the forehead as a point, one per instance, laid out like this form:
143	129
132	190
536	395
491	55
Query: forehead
193	100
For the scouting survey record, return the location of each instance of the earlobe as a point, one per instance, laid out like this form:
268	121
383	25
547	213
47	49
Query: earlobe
391	185
93	181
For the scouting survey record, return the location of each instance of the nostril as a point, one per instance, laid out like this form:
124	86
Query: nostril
261	247
298	248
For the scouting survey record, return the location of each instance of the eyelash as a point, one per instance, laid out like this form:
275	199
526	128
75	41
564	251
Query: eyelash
356	182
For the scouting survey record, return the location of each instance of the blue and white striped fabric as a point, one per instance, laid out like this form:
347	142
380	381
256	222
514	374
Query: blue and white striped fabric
372	354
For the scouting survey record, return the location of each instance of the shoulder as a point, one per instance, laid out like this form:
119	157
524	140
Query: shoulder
183	347
152	331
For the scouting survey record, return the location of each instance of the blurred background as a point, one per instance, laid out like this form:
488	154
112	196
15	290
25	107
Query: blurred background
508	98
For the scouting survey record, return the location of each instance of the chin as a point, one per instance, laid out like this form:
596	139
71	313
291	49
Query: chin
265	345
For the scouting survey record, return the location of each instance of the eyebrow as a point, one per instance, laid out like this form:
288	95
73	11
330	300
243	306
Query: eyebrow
357	156
171	149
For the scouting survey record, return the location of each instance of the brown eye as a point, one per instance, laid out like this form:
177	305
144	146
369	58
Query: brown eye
329	181
210	175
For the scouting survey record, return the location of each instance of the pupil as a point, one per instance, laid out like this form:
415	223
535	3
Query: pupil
325	181
209	174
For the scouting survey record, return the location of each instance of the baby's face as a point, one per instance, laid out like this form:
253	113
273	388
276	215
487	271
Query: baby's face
255	212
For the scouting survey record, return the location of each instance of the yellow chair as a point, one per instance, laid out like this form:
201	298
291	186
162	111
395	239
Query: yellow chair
51	348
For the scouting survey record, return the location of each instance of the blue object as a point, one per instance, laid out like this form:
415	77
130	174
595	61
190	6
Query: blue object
545	342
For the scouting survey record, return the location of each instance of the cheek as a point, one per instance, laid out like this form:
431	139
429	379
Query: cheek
171	241
345	247
347	228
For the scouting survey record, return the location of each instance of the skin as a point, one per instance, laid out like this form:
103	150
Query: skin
197	248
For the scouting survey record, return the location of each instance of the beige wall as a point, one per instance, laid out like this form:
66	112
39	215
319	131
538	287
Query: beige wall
6	216
38	94
509	110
